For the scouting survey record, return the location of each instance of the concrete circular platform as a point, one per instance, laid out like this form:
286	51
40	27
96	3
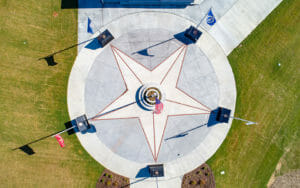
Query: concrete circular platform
196	78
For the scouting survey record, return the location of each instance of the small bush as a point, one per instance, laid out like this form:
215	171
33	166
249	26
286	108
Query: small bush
202	182
109	175
115	184
108	182
192	182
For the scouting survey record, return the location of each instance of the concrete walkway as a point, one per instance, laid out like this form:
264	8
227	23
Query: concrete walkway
236	19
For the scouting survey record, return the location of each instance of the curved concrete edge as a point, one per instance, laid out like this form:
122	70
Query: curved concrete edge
232	28
227	99
188	162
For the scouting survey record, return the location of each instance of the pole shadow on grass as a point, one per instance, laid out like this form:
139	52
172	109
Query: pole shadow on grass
29	151
50	58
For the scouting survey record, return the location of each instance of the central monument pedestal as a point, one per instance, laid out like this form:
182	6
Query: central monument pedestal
146	94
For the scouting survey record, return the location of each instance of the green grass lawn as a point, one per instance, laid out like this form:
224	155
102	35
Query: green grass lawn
268	94
33	100
33	97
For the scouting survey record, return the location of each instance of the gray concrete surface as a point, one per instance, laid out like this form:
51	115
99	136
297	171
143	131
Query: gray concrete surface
104	84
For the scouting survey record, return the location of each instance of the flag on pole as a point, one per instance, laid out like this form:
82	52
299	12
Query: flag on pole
158	106
89	29
60	140
210	20
250	123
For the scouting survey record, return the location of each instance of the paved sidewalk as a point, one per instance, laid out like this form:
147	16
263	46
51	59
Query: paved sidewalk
235	18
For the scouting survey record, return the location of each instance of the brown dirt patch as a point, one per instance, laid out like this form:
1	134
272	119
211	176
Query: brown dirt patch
109	179
200	177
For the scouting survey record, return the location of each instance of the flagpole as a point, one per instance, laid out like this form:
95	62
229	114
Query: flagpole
63	131
203	18
247	121
43	138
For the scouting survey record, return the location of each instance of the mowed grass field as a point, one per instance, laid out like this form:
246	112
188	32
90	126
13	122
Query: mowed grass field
33	100
33	97
269	95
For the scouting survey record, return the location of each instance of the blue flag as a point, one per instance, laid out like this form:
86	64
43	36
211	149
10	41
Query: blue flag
210	20
89	29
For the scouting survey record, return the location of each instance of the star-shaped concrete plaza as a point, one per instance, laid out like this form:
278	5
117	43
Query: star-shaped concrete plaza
166	74
191	80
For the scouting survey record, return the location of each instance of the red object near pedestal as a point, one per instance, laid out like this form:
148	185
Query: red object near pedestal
60	140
